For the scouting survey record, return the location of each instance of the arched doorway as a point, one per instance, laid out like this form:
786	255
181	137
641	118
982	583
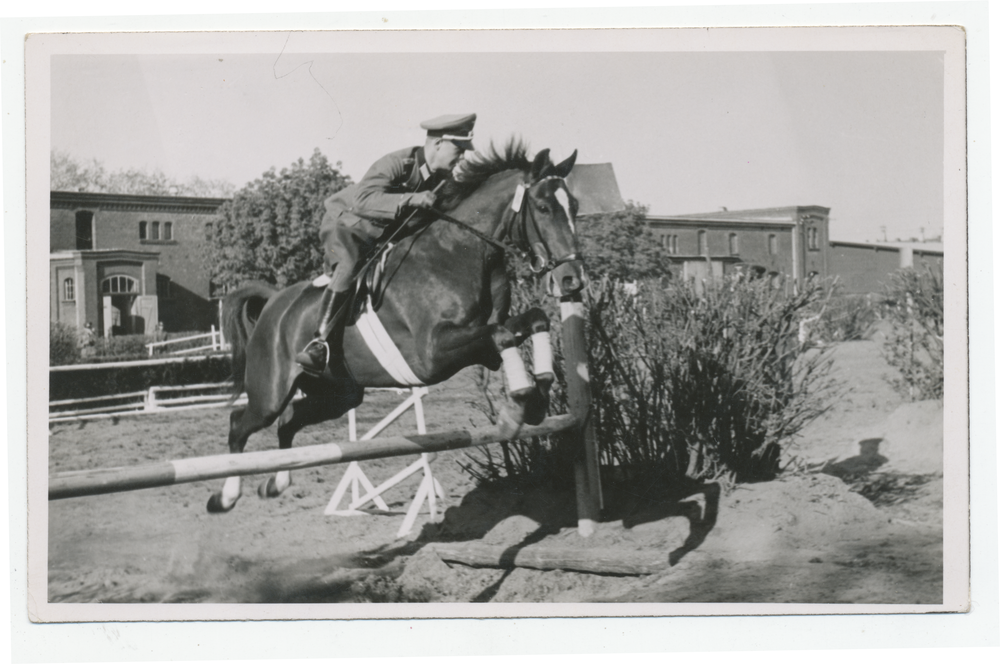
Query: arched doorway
119	293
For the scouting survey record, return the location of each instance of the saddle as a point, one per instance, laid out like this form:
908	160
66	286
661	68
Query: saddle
370	283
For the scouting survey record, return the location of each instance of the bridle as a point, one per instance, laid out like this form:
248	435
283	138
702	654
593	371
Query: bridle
524	226
520	225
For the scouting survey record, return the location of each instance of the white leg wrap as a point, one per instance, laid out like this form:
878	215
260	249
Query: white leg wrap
230	491
282	479
541	345
513	365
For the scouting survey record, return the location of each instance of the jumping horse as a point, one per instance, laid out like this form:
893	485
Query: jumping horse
445	306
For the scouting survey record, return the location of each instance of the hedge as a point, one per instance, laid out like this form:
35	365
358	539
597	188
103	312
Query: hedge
112	379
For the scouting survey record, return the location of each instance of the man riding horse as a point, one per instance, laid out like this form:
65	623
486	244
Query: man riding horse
358	216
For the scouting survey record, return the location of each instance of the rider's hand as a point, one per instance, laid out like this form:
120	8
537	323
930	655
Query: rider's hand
423	199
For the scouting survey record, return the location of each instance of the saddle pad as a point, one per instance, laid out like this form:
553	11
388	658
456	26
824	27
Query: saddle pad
321	281
383	348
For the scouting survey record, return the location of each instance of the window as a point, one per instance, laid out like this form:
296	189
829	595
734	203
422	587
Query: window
142	230
155	235
168	230
84	230
670	243
162	287
69	290
208	230
812	238
702	242
119	284
734	244
772	244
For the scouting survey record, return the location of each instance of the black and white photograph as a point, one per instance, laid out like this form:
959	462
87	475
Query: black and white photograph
497	323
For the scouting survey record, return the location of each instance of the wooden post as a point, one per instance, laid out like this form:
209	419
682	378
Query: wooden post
586	467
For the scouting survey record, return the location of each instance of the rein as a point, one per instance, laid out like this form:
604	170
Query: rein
522	212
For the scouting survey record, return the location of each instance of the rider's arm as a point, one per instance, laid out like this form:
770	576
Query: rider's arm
374	197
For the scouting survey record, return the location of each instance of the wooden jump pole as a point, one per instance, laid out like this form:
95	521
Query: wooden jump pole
166	473
586	465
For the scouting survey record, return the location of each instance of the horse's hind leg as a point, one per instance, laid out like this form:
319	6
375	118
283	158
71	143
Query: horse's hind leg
243	422
315	408
292	421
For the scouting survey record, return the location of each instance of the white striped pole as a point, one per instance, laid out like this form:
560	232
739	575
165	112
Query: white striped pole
166	473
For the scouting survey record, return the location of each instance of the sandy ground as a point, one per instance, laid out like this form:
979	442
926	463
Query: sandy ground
857	518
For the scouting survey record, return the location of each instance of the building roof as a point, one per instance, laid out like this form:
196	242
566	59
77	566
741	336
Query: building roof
780	216
923	247
72	200
595	188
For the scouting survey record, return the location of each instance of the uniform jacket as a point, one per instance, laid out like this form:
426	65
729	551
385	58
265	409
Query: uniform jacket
382	194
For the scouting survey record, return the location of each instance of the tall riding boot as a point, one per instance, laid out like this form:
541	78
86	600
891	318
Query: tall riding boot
314	357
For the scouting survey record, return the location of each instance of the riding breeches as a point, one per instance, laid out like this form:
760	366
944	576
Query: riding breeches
344	244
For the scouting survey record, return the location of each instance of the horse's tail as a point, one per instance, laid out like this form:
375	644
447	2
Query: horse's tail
240	311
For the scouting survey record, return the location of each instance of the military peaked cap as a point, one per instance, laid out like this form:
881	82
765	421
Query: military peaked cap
455	128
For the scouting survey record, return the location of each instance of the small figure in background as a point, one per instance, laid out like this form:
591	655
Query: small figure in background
87	340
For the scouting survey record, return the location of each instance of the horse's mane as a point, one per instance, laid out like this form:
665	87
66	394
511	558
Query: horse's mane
479	167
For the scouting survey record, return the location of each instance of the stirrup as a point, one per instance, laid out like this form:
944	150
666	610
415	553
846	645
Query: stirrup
306	360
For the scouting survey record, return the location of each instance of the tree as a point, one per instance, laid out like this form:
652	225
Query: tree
68	174
270	230
621	246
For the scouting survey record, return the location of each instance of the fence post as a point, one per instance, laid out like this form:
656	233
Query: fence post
151	400
586	465
214	347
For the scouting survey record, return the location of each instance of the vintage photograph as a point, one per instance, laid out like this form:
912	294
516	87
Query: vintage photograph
622	322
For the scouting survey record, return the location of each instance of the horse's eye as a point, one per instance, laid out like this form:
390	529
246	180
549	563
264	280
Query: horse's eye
544	209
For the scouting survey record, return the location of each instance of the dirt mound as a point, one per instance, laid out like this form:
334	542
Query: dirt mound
909	441
794	520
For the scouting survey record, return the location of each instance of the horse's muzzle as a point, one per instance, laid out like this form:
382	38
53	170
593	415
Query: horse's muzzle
567	279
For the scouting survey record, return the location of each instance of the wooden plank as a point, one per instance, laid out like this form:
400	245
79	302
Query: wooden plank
131	363
196	469
595	560
107	397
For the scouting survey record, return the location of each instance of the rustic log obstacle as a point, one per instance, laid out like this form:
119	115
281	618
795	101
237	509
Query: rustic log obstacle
608	560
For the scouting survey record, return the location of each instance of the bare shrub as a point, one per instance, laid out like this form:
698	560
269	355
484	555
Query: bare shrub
914	343
685	384
64	344
847	317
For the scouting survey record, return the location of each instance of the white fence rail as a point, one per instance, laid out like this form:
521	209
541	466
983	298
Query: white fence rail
206	395
216	342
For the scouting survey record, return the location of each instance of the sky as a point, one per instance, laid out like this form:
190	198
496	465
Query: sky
687	132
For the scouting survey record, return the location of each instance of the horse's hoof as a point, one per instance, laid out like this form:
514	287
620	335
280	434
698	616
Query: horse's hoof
215	505
544	381
508	425
536	408
268	489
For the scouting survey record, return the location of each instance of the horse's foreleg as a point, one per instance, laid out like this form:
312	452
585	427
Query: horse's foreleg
534	323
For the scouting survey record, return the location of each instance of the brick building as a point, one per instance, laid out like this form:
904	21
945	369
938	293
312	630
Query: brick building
126	263
787	243
866	267
780	243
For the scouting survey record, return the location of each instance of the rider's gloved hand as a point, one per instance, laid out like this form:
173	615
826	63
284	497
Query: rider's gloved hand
423	199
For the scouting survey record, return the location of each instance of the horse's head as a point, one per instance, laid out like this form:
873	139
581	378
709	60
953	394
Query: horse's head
545	224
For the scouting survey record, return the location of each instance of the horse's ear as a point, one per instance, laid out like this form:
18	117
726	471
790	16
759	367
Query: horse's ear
540	165
563	169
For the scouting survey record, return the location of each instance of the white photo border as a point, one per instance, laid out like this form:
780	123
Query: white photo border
978	214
